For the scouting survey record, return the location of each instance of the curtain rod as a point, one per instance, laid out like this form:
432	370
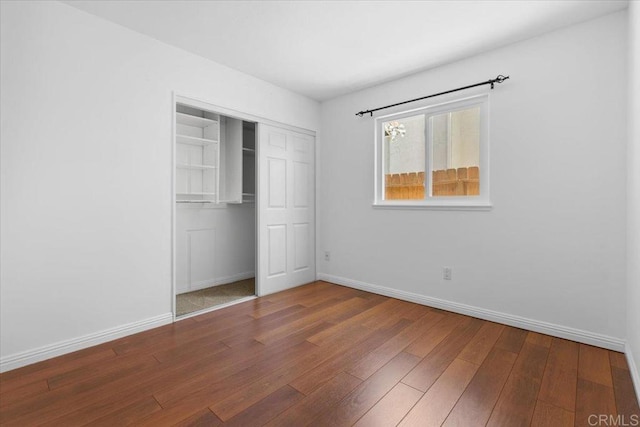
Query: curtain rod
498	79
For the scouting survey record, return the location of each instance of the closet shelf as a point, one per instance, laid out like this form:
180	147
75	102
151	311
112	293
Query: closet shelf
189	120
248	150
193	140
195	201
195	194
187	166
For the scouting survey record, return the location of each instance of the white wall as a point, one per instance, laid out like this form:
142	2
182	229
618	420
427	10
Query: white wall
552	249
86	169
633	197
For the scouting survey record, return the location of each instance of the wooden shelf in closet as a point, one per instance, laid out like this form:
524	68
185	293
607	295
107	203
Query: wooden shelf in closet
187	166
193	140
195	193
189	120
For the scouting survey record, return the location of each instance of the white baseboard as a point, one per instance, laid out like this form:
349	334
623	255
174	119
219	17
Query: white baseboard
25	358
559	331
196	286
633	370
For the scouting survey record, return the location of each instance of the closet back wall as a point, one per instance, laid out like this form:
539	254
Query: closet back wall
86	173
224	235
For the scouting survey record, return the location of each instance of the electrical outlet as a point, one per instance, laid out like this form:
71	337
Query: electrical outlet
327	256
446	273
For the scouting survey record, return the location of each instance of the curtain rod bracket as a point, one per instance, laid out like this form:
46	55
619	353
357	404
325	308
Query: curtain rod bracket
499	79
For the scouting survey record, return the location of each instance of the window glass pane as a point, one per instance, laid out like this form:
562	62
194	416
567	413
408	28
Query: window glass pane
404	158
440	132
456	153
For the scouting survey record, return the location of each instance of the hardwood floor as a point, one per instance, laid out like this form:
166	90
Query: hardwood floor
323	355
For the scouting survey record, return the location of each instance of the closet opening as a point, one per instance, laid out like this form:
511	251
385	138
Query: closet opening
215	209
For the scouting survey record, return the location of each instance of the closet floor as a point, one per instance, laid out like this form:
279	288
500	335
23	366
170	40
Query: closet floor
216	295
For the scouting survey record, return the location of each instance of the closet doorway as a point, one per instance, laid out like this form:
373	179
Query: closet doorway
215	209
244	207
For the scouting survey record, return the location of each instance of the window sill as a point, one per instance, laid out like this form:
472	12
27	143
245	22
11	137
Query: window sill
442	206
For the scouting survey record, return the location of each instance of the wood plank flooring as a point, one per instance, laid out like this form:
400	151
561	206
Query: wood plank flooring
324	355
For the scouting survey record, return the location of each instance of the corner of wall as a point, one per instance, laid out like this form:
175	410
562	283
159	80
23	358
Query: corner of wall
632	348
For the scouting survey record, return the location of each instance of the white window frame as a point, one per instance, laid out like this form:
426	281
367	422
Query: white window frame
479	202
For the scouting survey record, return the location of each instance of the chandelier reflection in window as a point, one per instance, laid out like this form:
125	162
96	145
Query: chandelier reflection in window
394	129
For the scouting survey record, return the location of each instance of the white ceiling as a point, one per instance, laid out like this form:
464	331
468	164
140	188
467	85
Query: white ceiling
324	49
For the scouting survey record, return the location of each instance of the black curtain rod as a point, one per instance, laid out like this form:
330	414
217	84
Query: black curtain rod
491	82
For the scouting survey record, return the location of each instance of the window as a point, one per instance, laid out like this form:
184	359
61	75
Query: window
435	156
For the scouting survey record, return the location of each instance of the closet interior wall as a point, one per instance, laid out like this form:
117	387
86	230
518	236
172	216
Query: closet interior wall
215	219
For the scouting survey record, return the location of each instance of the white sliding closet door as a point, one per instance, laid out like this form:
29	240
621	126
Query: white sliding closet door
286	202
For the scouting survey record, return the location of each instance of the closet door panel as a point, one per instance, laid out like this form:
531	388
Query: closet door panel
277	235
277	176
302	208
286	203
301	235
300	184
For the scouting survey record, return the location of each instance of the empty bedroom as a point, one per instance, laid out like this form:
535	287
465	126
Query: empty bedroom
328	213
